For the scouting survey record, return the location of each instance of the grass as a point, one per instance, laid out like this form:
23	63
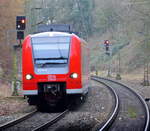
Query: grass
132	112
15	98
129	76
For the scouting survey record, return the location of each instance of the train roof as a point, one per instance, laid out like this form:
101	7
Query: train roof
50	34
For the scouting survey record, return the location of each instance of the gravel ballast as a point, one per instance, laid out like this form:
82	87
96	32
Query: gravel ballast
12	108
92	113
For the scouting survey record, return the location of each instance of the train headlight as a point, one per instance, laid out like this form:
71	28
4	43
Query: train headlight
29	77
74	75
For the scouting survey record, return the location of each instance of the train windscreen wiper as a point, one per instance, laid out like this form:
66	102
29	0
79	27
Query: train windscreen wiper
52	58
50	63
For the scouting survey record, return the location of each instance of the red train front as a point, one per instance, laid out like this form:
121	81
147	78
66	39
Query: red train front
54	65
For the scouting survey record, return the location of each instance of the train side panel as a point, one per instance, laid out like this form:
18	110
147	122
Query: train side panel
79	63
29	86
74	86
85	66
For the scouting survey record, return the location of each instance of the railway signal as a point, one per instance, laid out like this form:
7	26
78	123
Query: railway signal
106	43
20	23
107	47
20	27
108	52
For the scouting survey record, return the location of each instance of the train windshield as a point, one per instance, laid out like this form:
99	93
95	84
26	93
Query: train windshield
50	50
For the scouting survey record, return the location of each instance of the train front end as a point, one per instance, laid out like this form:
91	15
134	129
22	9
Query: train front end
51	67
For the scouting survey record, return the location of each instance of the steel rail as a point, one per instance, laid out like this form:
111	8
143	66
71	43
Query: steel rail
114	114
140	98
16	121
51	122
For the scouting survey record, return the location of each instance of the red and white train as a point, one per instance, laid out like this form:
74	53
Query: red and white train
54	65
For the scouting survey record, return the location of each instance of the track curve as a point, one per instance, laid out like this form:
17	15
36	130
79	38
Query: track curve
134	112
114	111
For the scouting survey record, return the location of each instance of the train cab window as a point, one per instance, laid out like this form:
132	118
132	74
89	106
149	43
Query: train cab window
50	51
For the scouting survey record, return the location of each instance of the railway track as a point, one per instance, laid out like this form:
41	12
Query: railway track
51	122
114	111
133	113
35	121
16	121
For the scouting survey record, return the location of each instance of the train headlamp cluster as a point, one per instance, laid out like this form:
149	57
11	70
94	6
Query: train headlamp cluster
29	76
74	75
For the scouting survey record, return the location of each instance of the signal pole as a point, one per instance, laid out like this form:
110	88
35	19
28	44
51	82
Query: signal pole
118	76
146	66
146	78
109	68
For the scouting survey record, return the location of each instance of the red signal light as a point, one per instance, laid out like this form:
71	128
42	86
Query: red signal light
22	21
106	42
